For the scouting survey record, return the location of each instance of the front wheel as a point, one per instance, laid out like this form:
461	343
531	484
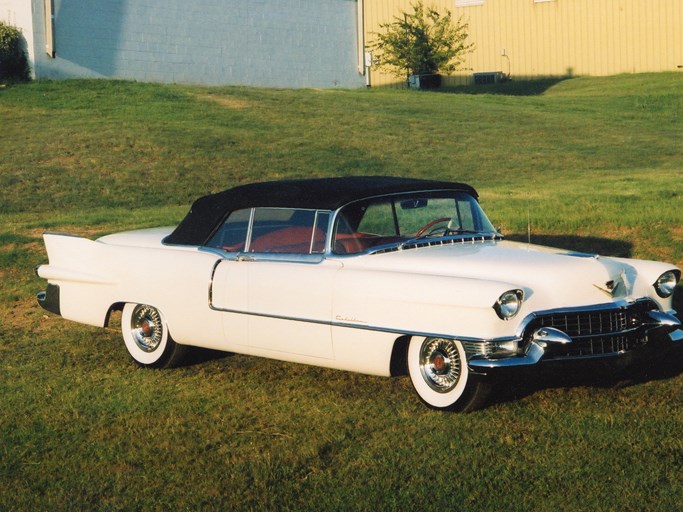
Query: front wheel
146	336
439	373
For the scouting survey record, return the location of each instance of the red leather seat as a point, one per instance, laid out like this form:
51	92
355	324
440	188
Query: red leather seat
295	239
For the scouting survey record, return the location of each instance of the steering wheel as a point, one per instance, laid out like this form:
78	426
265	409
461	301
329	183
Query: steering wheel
430	224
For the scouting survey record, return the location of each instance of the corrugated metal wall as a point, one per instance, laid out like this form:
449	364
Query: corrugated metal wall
556	37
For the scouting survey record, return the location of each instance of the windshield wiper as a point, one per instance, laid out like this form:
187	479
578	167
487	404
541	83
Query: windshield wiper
461	232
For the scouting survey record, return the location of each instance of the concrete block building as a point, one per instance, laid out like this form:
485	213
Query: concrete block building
272	43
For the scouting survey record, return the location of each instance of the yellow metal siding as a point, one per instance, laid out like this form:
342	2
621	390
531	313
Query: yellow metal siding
555	38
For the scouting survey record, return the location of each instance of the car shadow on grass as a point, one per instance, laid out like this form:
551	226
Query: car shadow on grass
584	244
197	356
665	368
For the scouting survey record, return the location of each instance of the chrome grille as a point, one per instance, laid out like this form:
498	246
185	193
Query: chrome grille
595	332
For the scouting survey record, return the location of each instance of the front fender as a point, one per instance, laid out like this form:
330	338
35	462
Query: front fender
402	302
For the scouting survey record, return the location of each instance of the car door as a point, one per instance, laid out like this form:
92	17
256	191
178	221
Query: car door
230	296
274	285
290	305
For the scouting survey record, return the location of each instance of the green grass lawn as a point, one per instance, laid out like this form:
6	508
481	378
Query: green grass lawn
589	163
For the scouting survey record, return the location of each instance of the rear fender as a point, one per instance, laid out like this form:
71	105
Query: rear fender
82	269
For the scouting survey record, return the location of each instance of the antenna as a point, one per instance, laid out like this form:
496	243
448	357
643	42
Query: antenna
528	223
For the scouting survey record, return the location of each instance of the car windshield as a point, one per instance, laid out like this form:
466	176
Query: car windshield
402	219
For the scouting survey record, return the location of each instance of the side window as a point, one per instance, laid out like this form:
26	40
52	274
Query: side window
283	230
232	235
466	217
378	219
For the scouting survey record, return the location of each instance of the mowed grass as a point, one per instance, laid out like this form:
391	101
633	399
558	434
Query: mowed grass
590	163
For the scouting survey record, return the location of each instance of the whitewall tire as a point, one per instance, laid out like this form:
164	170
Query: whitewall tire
438	371
146	336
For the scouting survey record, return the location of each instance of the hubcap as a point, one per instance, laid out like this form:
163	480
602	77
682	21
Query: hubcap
440	364
146	328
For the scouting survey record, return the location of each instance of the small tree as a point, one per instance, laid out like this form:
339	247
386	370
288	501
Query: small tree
421	43
13	61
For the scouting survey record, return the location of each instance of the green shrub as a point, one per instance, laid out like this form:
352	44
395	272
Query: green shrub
13	61
422	42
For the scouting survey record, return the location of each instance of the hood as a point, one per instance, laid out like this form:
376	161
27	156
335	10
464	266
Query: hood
549	277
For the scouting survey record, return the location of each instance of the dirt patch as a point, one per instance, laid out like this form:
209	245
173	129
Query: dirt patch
226	101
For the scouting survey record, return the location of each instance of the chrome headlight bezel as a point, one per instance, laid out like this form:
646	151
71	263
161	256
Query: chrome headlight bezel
665	285
509	304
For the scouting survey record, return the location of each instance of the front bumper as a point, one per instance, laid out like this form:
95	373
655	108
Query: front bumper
639	330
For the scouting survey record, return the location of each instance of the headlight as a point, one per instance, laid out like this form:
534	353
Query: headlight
509	303
666	284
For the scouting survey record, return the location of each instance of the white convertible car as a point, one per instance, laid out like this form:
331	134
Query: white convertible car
379	275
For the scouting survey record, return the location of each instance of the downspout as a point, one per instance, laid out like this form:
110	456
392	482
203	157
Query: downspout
49	28
364	58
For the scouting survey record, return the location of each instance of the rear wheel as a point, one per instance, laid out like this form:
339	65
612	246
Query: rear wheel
439	373
146	336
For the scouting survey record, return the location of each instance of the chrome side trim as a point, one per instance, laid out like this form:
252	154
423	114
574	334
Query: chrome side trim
264	256
375	328
213	274
284	257
533	353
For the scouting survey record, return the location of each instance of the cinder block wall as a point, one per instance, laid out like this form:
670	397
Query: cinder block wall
272	43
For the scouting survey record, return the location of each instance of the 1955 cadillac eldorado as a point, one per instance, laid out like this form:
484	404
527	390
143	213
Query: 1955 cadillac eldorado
369	274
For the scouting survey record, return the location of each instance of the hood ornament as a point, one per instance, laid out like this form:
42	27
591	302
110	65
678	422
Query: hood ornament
609	288
616	287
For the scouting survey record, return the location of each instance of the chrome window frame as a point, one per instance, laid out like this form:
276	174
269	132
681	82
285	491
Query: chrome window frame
310	257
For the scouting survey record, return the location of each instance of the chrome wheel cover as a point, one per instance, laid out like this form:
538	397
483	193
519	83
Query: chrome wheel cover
440	364
146	328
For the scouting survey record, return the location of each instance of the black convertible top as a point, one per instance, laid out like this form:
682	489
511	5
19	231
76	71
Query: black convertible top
317	193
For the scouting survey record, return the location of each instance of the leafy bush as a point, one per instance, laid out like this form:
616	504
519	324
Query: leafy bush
13	61
422	42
